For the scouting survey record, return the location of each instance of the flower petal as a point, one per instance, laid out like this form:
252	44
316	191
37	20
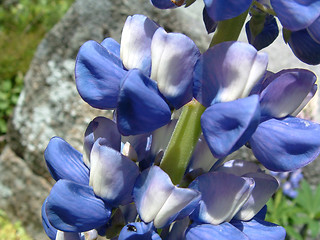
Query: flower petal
140	107
286	92
222	10
258	229
112	175
264	38
158	200
227	71
222	195
208	22
286	145
238	167
173	58
98	75
138	230
69	236
65	162
224	231
101	127
314	30
113	47
73	207
295	14
135	50
228	126
265	187
163	4
48	228
305	47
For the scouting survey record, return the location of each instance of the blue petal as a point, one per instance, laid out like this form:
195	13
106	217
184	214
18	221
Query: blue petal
135	50
163	4
72	207
296	14
69	236
173	58
304	47
224	231
101	127
228	126
48	228
158	200
258	229
220	10
98	75
208	22
286	92
112	175
113	47
286	145
138	231
314	30
238	167
140	107
222	195
265	187
268	34
64	162
140	143
227	71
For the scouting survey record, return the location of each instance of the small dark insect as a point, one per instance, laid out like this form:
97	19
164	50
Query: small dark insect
131	228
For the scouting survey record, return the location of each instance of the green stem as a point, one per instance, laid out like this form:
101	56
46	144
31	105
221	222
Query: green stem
188	128
183	141
229	30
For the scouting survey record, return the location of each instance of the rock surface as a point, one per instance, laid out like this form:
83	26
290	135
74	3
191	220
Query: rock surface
50	106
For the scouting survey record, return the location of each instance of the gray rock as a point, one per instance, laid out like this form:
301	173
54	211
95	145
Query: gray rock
22	192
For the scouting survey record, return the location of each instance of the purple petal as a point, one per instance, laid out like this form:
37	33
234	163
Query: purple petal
140	144
306	100
140	107
228	126
296	14
265	187
101	127
64	162
314	30
258	229
112	175
208	22
286	92
304	47
98	75
202	159
222	195
163	4
224	231
158	200
48	228
135	50
138	230
72	207
238	167
227	71
268	34
222	10
286	145
113	47
173	58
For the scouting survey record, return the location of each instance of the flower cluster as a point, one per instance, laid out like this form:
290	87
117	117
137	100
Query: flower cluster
300	21
121	186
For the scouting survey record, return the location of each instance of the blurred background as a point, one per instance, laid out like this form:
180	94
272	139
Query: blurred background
39	40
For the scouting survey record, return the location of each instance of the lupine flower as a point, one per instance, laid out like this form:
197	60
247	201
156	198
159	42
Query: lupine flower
289	182
110	76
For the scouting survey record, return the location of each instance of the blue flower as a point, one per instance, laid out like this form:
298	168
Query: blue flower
142	79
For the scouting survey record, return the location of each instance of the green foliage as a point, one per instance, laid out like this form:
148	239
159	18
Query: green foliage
299	216
22	26
9	231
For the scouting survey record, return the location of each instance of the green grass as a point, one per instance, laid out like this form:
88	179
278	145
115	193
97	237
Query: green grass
11	231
